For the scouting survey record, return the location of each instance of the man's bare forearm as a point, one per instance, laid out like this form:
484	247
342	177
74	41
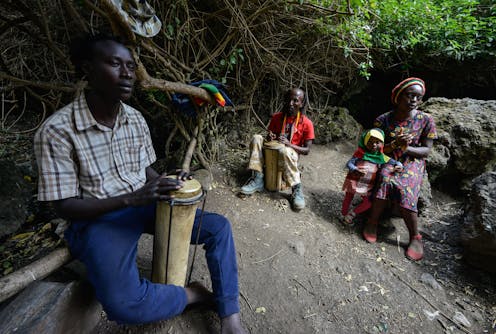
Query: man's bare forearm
89	208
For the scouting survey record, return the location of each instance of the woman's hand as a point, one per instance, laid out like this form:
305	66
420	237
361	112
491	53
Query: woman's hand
403	139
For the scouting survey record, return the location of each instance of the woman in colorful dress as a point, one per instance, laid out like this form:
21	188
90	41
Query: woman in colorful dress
409	137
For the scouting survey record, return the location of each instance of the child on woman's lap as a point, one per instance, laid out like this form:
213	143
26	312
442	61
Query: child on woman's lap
363	168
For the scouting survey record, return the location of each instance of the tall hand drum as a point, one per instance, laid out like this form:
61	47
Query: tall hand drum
273	176
173	227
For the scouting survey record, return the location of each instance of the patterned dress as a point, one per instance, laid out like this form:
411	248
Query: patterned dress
404	187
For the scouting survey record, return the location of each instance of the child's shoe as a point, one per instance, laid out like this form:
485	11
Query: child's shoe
348	219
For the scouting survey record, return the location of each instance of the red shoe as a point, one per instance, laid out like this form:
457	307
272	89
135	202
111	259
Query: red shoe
371	235
413	255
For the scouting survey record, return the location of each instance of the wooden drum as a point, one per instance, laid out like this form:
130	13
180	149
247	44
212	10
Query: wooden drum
173	227
273	176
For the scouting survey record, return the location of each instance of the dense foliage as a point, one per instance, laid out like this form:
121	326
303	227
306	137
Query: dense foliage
408	32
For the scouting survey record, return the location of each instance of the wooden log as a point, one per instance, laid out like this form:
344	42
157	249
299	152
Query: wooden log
52	308
18	280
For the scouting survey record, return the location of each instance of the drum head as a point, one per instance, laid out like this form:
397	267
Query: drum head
190	192
273	144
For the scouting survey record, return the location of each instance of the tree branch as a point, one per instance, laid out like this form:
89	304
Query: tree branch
39	84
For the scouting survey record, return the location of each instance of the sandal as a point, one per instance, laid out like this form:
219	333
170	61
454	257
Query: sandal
413	255
370	236
348	219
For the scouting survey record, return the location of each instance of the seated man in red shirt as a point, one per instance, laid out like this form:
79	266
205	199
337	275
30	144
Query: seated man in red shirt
296	140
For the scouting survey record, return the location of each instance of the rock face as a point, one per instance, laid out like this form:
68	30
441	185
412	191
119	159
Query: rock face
479	231
15	193
466	147
333	124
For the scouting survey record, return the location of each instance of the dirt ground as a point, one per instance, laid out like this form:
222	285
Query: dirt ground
304	272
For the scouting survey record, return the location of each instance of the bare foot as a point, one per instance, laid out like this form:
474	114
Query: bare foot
232	325
197	293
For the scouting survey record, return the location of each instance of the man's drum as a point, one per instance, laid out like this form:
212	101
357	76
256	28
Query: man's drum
173	227
273	176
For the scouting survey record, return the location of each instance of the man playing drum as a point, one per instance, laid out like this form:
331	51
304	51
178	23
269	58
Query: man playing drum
294	130
94	158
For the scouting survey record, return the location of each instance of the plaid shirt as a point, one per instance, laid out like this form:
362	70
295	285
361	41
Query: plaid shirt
78	157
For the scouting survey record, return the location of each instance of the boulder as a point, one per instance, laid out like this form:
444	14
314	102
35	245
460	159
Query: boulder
333	124
425	196
479	229
466	147
52	308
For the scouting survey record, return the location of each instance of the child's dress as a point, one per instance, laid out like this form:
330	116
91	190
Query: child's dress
360	185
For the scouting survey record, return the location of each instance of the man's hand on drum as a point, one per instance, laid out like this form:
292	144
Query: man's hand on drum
157	189
271	136
284	140
183	175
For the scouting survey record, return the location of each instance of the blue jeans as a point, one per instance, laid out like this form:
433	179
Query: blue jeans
108	246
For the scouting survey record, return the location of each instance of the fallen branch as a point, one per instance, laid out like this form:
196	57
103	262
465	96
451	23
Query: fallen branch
246	300
147	82
267	259
18	280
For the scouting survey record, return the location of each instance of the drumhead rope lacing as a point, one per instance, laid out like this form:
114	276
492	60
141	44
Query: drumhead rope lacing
187	201
204	193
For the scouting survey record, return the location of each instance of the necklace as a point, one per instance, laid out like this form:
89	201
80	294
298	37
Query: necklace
283	130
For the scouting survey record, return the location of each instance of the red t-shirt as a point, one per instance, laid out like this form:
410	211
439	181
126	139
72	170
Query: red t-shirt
303	132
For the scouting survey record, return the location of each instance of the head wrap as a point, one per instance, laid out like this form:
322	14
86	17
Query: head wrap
363	152
399	88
